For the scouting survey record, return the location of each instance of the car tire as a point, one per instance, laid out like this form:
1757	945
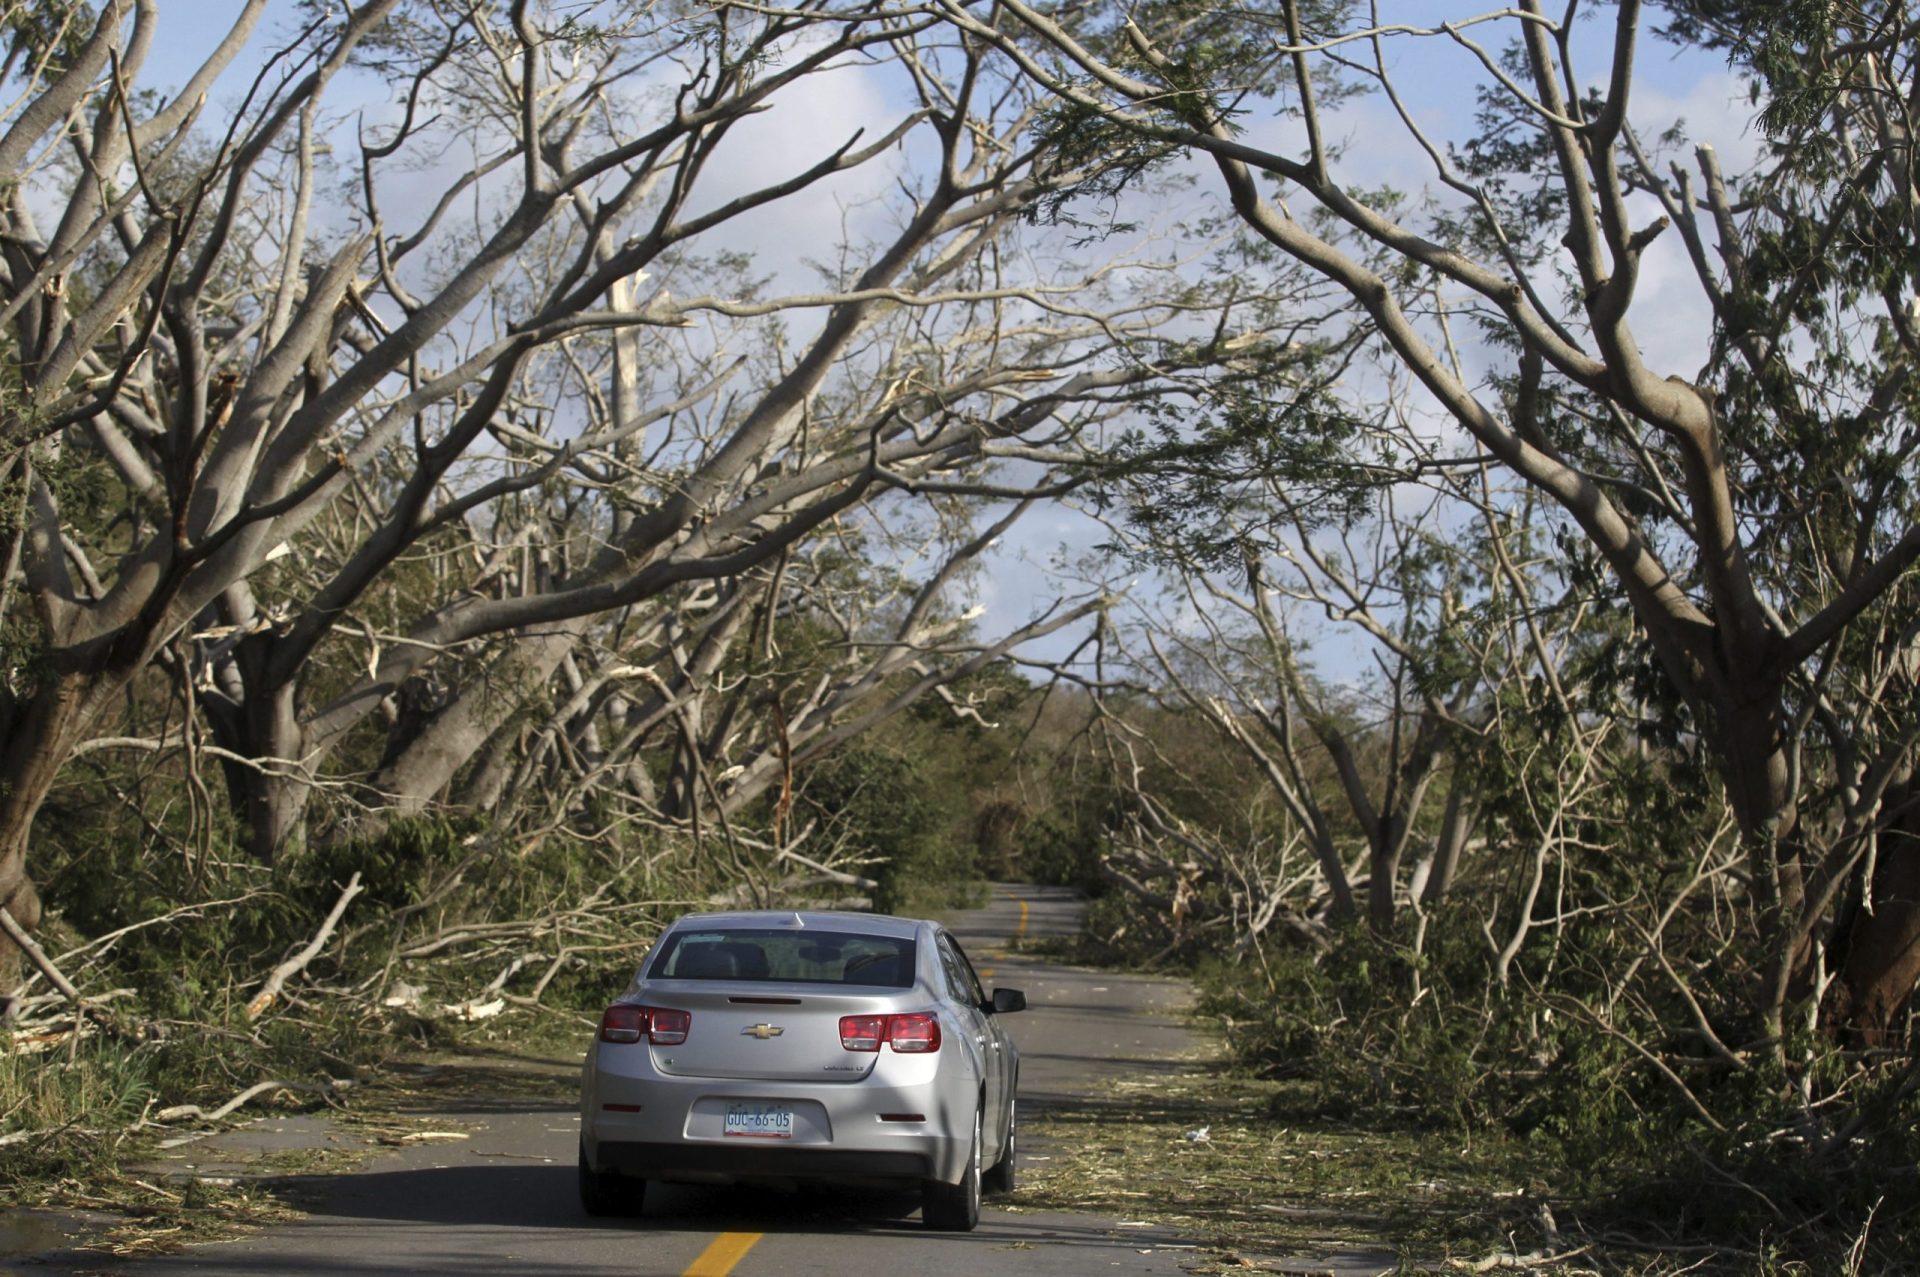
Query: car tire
1002	1177
605	1194
955	1208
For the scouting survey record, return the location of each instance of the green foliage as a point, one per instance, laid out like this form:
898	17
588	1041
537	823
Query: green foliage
397	866
1774	39
43	1092
1188	50
1191	483
884	803
1391	1039
1195	476
1093	162
1420	1033
1062	847
56	1091
53	30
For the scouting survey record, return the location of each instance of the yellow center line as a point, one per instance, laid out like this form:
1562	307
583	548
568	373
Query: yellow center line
721	1254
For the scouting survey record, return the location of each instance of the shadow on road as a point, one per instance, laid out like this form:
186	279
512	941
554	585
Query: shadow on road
508	1196
545	1197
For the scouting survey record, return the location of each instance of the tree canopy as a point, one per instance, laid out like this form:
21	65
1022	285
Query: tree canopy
452	460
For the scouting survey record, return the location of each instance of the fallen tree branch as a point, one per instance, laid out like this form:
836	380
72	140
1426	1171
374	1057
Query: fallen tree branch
179	1112
184	1112
36	955
513	969
831	874
477	931
1535	1260
533	1004
298	962
27	1006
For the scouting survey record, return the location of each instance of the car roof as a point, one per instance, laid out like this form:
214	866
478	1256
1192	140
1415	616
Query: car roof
875	924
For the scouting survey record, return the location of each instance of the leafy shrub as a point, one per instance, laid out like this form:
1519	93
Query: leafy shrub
882	804
1429	1040
1061	849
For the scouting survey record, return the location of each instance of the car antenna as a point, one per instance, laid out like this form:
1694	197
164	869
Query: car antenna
798	921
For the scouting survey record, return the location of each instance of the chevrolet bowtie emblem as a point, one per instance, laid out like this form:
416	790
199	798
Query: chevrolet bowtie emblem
763	1031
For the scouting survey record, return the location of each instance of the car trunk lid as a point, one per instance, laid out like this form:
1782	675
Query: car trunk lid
765	1032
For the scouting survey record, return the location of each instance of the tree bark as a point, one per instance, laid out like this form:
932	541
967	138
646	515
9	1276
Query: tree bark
1746	731
257	719
36	737
427	765
1878	939
1455	825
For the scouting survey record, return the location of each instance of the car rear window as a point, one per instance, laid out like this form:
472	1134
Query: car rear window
790	956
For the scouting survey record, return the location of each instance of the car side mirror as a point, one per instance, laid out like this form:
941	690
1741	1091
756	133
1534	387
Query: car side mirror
1006	1001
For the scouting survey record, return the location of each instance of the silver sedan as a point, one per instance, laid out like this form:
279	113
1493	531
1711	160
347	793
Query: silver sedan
777	1047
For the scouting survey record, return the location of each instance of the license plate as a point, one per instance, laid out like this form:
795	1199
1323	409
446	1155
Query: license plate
759	1121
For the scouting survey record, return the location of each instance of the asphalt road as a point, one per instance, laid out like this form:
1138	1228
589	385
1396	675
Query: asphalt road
504	1199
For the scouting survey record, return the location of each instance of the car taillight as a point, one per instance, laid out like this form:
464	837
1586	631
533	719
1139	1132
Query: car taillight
627	1024
670	1027
623	1024
915	1033
862	1032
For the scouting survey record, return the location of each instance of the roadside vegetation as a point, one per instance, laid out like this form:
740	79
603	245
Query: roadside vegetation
442	941
1269	1143
433	553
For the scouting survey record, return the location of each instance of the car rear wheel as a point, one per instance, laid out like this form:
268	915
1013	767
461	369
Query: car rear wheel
955	1208
609	1193
1001	1177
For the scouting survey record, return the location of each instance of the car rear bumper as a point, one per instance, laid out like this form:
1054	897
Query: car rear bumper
640	1121
666	1161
